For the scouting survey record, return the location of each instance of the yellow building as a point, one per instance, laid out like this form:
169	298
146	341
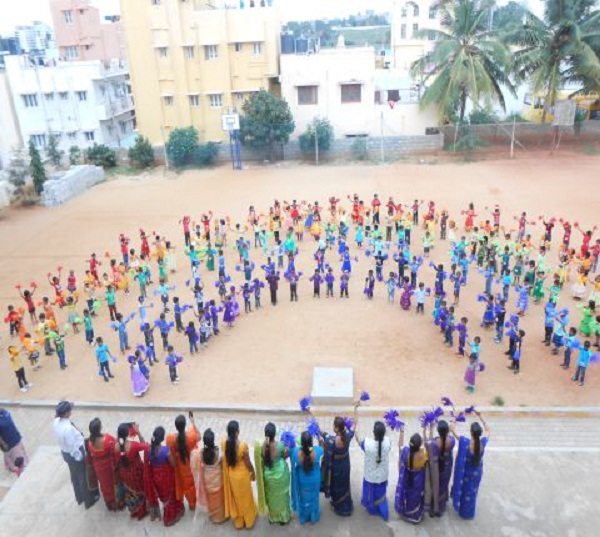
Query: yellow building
192	61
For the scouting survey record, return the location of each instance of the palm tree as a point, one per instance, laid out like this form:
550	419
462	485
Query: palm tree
467	61
559	50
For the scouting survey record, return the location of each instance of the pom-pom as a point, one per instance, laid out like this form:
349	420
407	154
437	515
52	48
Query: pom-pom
469	410
313	428
481	367
288	439
18	286
460	418
392	421
33	284
131	359
447	402
438	413
305	403
348	423
364	396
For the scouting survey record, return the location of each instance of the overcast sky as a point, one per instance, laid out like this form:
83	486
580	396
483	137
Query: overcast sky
14	12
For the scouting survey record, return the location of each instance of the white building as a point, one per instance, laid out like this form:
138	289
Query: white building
10	137
38	41
408	18
78	102
343	85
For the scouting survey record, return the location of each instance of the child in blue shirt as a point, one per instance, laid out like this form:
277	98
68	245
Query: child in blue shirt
103	356
420	295
172	360
571	343
391	284
582	363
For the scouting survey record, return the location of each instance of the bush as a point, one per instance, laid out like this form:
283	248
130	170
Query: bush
53	152
324	132
182	145
36	166
101	155
74	155
142	153
498	401
359	149
206	154
481	117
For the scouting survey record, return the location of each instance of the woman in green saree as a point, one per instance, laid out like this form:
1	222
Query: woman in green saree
273	478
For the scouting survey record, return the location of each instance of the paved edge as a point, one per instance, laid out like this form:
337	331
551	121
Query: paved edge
293	411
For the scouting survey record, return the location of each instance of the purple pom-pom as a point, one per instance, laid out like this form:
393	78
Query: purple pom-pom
288	439
305	403
438	413
469	410
461	418
313	428
364	396
481	367
348	423
447	402
131	359
392	421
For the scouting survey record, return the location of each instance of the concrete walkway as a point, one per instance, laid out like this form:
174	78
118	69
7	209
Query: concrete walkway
539	481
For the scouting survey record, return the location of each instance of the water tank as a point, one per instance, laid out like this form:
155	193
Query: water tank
301	45
288	43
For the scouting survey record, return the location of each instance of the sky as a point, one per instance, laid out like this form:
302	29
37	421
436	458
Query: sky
15	12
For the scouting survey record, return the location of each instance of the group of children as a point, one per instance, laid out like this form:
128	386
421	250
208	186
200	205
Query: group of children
508	261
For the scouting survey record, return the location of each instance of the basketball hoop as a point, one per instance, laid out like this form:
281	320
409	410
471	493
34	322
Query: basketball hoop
230	122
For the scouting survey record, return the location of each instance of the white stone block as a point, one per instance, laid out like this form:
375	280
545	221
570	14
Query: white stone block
333	385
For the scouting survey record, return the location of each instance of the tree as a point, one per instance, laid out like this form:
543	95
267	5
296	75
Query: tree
18	172
467	60
558	50
323	130
267	120
74	155
36	167
53	152
182	145
142	153
101	155
509	17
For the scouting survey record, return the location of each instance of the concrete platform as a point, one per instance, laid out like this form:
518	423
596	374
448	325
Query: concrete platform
333	385
522	495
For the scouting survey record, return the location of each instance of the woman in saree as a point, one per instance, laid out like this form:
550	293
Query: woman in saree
273	478
440	454
159	481
410	492
336	474
181	444
468	469
207	467
101	448
376	470
238	474
130	468
306	479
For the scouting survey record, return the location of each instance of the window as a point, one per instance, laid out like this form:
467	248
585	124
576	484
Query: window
39	140
239	96
81	95
49	96
30	100
168	99
257	49
415	10
216	100
194	100
403	13
211	52
189	52
308	95
415	30
68	15
239	47
393	95
351	93
63	95
71	52
72	135
111	130
89	136
433	12
431	35
377	97
162	52
403	31
123	127
155	2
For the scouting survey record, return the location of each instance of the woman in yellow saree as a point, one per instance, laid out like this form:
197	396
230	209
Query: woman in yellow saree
238	474
207	467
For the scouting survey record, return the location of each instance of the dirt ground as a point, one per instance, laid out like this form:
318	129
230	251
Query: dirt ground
268	357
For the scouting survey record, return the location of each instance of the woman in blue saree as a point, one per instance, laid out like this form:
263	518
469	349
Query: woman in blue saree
440	453
306	479
410	492
336	468
468	469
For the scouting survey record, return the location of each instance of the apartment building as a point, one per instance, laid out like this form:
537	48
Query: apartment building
193	60
77	102
81	34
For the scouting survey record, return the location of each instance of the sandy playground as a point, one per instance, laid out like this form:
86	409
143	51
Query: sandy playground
269	355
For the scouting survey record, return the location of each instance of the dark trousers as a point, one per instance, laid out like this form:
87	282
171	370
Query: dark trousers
173	373
274	297
567	360
344	292
580	372
294	293
420	308
516	364
329	289
547	334
86	492
112	309
247	306
105	369
20	374
165	340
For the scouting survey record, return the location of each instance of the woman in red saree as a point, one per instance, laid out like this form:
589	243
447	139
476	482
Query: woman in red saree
101	449
130	468
159	481
181	444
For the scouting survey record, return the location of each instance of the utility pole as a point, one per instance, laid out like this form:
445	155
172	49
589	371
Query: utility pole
382	156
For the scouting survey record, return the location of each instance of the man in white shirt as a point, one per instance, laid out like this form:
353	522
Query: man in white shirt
71	443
